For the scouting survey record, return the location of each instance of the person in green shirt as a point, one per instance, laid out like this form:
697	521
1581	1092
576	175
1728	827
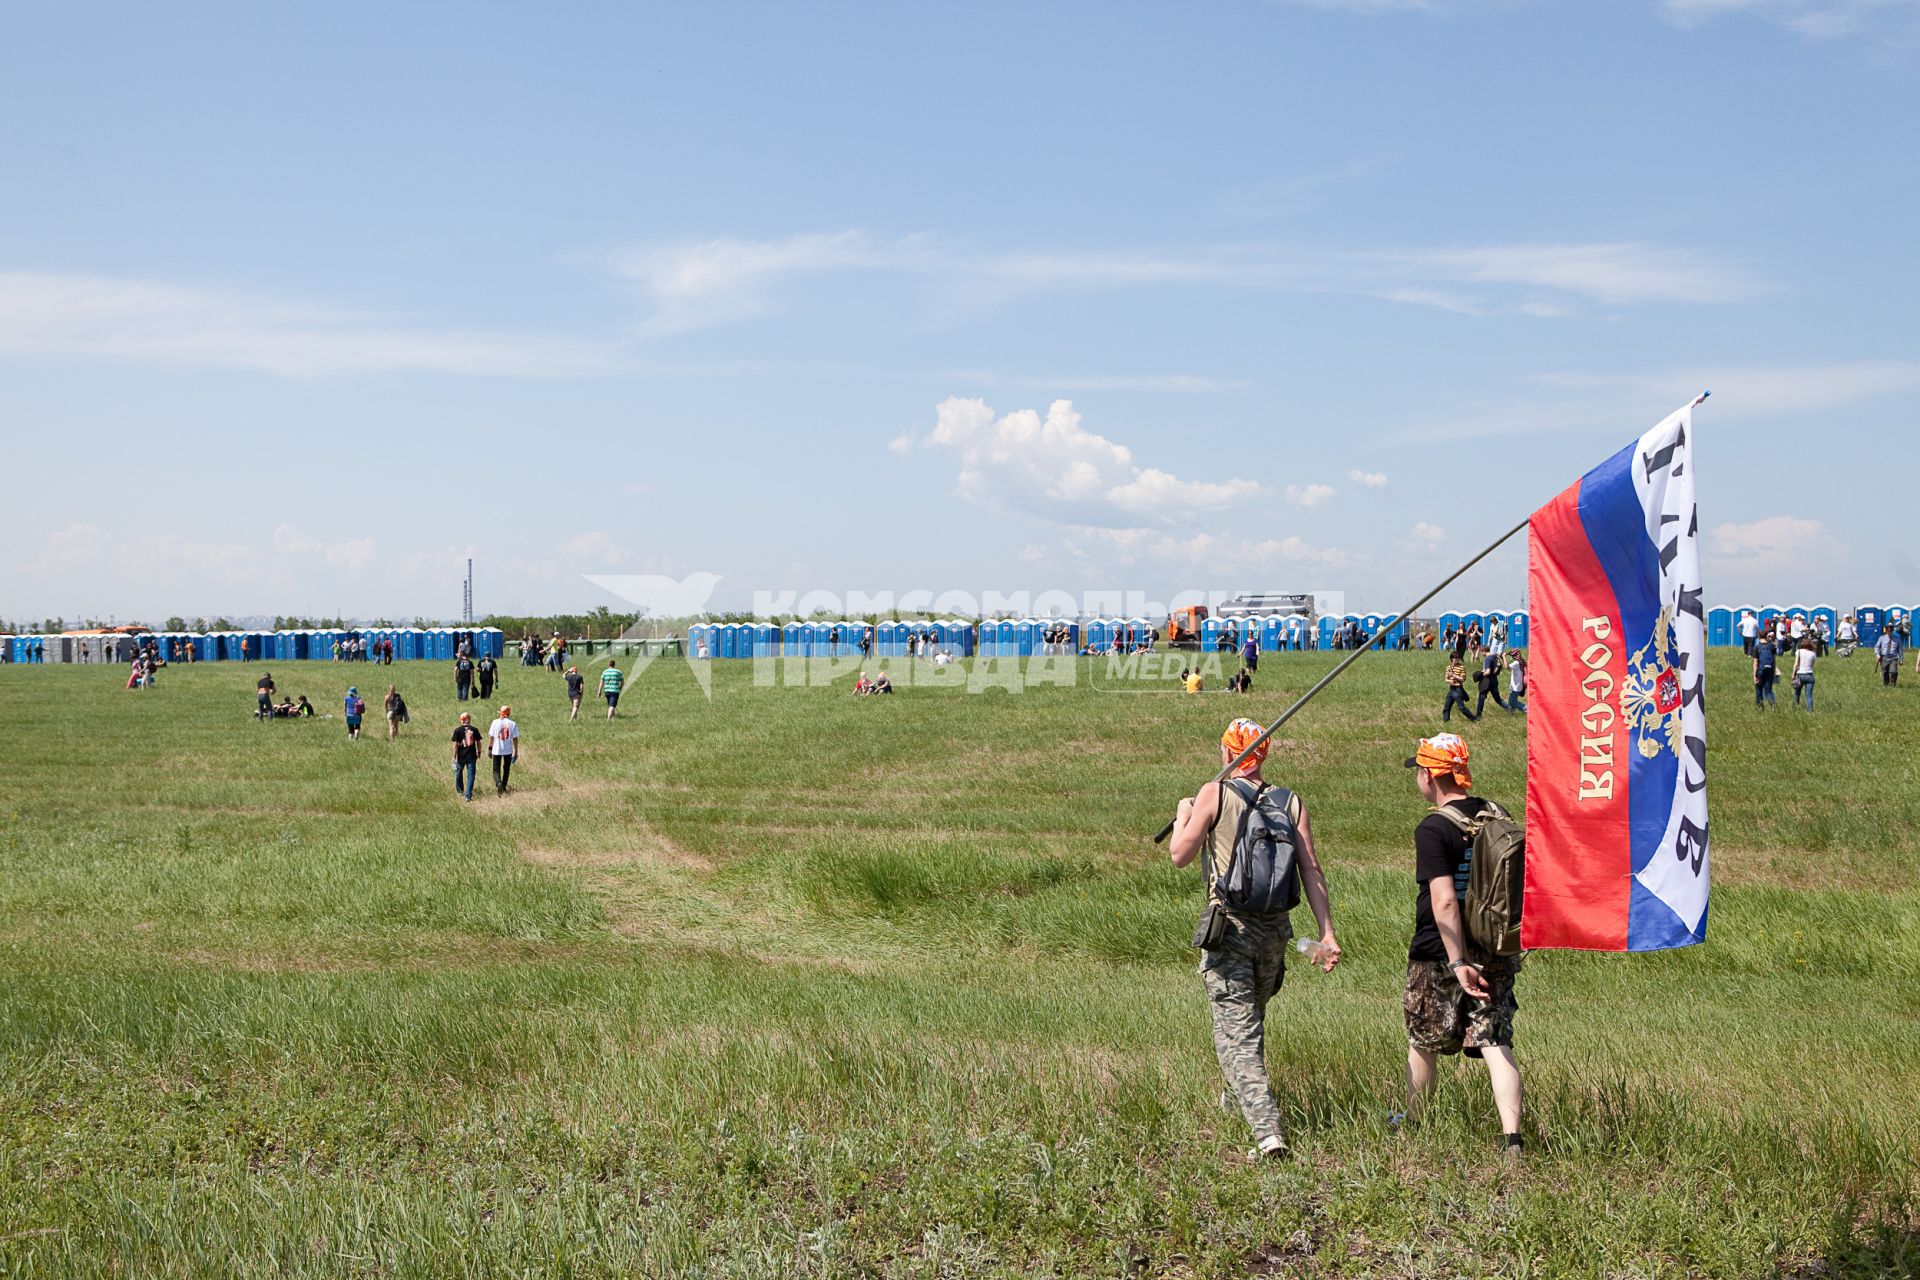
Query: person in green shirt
610	681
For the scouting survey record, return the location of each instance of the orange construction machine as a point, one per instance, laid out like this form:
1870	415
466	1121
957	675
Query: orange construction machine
1183	627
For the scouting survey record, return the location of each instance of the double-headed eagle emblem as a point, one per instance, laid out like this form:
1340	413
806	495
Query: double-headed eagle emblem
1650	699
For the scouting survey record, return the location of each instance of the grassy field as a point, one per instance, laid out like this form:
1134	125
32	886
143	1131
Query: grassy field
786	983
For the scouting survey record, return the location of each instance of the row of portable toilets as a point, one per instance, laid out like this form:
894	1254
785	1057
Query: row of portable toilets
430	644
1723	625
824	639
1026	637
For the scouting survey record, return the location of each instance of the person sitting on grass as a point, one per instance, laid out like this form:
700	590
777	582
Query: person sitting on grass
285	710
881	684
1193	681
305	708
1240	682
862	687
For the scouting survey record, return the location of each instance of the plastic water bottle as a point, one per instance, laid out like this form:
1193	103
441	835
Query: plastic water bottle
1313	949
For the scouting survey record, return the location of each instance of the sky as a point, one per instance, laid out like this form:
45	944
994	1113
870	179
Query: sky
303	305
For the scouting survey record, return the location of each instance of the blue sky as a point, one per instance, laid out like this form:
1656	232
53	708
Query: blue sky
302	305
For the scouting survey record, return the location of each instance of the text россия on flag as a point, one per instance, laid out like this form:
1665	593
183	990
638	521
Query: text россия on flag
1616	732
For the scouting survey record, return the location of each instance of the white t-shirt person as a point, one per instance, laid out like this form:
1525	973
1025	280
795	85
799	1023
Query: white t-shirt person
1803	662
1749	626
504	734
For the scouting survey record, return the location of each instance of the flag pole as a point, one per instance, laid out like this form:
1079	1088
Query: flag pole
1352	658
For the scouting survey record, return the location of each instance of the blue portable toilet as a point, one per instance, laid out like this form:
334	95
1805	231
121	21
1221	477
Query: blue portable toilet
1449	620
1519	629
1870	618
1719	627
1370	625
1025	632
1266	632
1323	637
1899	622
766	640
890	638
1210	631
1006	641
813	635
793	640
1099	633
1769	613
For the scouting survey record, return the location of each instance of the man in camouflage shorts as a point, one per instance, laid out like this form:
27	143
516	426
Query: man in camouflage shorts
1248	965
1457	1000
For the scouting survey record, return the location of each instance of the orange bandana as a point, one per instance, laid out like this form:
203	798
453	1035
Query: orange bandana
1236	739
1443	753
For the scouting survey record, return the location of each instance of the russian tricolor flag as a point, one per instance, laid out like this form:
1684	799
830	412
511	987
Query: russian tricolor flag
1616	719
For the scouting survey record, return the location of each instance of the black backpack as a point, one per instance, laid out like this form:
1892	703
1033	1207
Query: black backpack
1262	877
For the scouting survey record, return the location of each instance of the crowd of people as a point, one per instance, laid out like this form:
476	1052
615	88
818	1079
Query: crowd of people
1797	645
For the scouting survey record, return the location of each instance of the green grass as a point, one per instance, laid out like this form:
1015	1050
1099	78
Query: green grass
785	983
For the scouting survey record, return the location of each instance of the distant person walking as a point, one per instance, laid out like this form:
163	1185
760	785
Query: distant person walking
263	688
485	672
504	735
1250	651
1456	688
1457	999
1266	862
356	707
462	677
1764	671
1516	681
396	708
466	755
1487	677
576	684
1887	650
611	681
1803	658
1749	631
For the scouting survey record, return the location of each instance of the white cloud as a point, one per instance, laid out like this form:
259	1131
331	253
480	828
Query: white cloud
1818	19
901	445
1309	495
1204	550
1781	541
596	547
700	283
1185	382
1431	534
1762	389
1055	468
1368	479
98	316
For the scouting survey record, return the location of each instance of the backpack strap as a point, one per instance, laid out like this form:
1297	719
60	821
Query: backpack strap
1470	827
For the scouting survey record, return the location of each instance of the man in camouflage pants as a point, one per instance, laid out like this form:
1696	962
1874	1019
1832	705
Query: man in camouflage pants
1248	965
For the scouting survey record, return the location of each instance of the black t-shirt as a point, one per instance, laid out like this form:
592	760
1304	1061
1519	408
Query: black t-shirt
462	671
575	682
466	744
1439	849
1487	677
265	684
